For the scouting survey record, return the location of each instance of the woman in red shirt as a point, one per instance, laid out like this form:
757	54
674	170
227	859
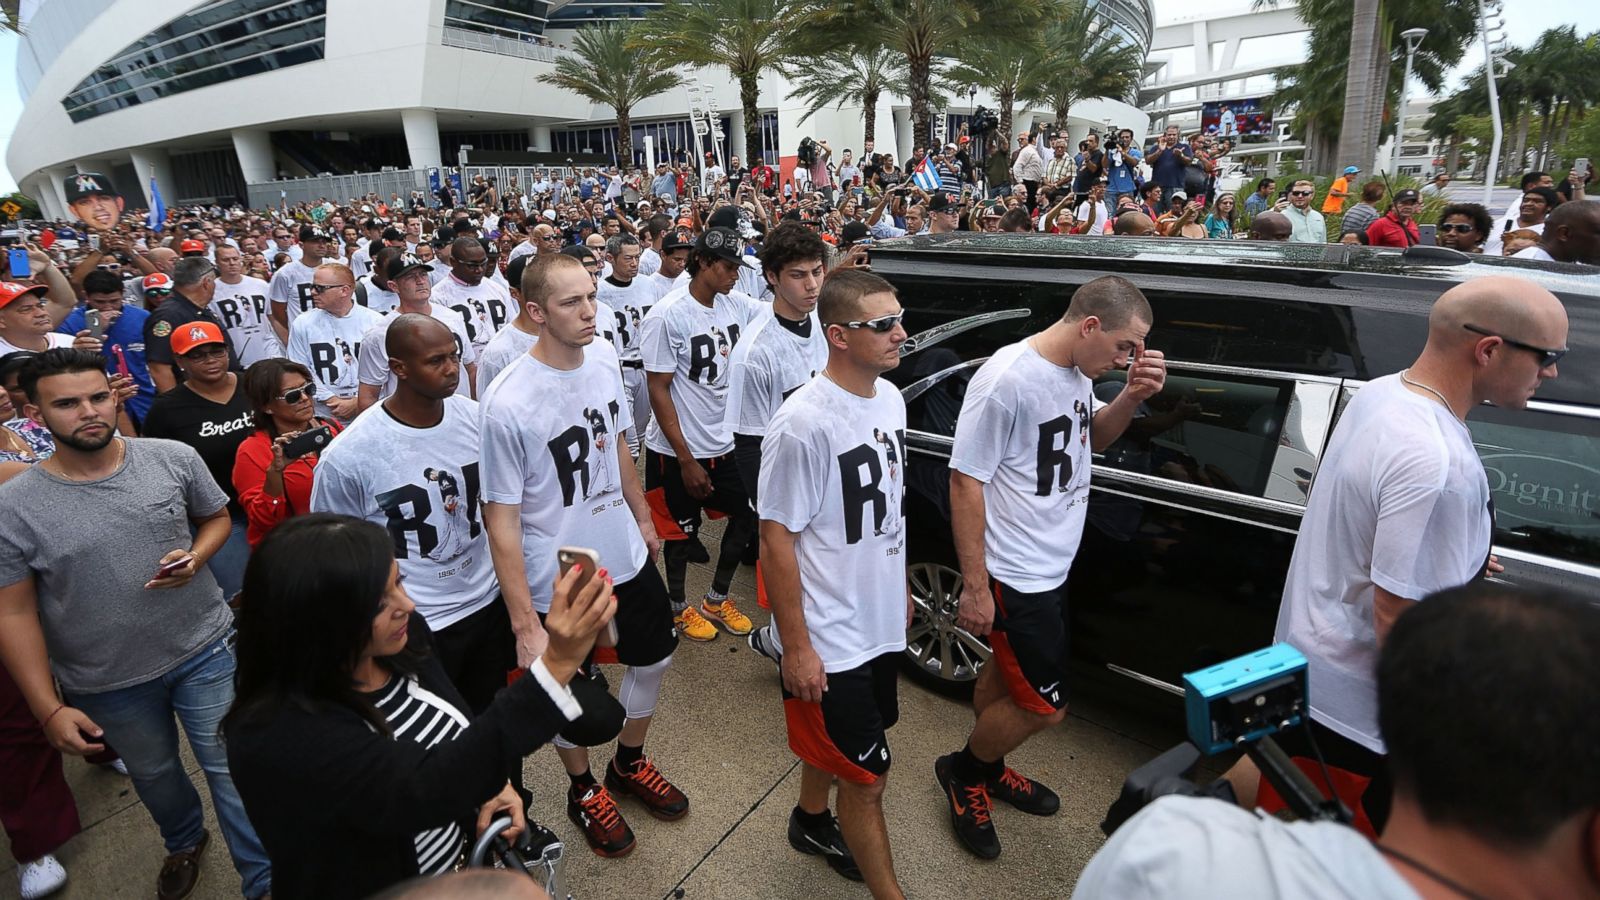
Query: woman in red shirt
272	487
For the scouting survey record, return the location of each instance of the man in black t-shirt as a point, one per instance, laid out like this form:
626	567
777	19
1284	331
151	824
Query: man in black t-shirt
736	175
194	284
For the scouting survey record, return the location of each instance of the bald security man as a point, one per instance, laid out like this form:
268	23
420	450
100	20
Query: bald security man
1271	226
1571	234
1400	507
1134	224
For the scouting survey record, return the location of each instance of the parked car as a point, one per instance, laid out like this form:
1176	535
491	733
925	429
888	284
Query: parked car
1193	513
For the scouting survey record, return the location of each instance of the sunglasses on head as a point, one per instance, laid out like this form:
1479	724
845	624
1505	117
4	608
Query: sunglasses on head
1547	357
1459	227
880	325
295	395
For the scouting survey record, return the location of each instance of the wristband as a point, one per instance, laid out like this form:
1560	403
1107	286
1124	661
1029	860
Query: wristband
52	715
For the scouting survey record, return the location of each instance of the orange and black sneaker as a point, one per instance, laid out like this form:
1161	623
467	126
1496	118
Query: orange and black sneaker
644	781
969	810
596	815
1024	793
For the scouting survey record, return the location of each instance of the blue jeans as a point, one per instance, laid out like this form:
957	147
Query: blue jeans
227	565
138	721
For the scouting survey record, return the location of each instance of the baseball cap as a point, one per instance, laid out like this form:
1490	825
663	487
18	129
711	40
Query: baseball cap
393	234
87	184
10	291
1178	195
156	282
940	201
1351	170
195	334
312	233
1407	196
965	139
853	231
404	263
723	243
677	239
192	246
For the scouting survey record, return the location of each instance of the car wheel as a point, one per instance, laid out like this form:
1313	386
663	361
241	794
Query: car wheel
938	653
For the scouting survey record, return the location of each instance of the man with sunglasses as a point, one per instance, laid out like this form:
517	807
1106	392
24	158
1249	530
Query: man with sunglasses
290	289
194	284
1401	508
409	277
484	303
327	340
1308	226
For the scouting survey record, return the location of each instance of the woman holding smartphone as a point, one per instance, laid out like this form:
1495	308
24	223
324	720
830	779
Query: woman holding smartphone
358	762
271	472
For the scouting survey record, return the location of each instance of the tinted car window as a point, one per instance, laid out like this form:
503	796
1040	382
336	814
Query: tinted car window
1211	430
1544	473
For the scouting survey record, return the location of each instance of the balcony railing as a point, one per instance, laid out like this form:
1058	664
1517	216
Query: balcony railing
493	43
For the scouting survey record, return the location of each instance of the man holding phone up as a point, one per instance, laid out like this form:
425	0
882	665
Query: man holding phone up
557	473
1019	489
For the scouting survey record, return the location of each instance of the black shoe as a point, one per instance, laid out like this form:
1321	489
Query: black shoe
1025	794
596	815
697	550
969	810
826	842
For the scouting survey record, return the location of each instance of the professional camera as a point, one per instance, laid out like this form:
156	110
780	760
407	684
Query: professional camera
983	121
807	154
1238	704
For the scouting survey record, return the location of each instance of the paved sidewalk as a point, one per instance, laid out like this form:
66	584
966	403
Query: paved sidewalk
719	735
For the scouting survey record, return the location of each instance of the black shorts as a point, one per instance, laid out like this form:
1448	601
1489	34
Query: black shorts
675	513
846	734
1030	646
645	631
1339	752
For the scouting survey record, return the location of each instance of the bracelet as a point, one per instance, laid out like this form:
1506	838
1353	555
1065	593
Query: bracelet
52	715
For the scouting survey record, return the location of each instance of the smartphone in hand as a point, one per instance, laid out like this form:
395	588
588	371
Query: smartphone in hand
96	324
172	568
308	442
587	562
21	267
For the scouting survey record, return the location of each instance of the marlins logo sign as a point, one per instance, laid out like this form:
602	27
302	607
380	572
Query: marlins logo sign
196	333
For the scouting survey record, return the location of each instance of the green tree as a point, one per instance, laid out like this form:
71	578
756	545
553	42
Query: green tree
846	77
748	37
30	207
1078	58
1000	67
608	71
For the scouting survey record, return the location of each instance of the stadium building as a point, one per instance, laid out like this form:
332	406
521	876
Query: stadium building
209	97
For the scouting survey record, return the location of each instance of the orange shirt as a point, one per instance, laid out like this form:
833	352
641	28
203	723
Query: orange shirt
1336	195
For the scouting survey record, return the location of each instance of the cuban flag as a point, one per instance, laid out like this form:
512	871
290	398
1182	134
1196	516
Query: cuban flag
925	177
157	219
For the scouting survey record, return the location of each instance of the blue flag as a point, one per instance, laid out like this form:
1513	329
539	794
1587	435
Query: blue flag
924	177
157	219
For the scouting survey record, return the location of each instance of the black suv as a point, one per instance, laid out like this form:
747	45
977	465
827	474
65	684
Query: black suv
1193	513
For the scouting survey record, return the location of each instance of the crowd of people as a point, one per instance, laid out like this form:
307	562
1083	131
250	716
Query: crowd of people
461	437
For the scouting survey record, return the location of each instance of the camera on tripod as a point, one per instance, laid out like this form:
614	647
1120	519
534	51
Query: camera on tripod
1238	704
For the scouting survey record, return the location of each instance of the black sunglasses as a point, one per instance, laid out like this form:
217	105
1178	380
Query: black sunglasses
295	395
322	288
1301	193
880	325
1547	358
1462	227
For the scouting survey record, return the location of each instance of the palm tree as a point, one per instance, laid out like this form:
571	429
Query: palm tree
748	37
1000	67
918	30
607	71
846	78
1355	145
1078	58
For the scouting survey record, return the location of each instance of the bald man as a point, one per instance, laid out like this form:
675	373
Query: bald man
1271	226
1571	234
1134	224
1400	507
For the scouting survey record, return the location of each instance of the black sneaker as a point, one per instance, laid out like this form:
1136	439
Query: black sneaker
1025	794
761	642
969	810
826	842
596	815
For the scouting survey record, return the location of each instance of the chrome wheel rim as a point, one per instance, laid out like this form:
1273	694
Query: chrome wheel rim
934	642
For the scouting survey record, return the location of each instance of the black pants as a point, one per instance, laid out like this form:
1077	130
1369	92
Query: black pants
477	653
1340	751
1033	195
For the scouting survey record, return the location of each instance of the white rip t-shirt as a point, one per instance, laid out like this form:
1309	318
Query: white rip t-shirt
770	363
1024	433
485	307
1400	501
422	486
244	313
629	303
550	441
330	346
375	358
378	299
291	286
833	473
693	341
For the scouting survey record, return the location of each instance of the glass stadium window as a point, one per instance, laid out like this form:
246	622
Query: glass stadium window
574	14
215	43
507	18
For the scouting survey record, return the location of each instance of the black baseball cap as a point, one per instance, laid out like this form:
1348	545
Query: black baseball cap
854	231
940	201
404	263
312	233
677	239
724	244
87	184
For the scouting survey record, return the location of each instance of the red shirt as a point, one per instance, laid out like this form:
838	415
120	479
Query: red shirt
1388	232
263	512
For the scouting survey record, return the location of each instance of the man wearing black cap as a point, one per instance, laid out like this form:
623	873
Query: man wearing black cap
194	285
686	342
943	213
1398	226
408	278
93	199
676	245
738	220
290	290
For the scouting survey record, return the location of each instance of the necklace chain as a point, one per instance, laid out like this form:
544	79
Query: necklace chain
1429	871
1420	385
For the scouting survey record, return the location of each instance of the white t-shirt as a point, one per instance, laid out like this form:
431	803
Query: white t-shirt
361	260
1495	242
1400	501
485	307
526	248
1182	847
378	299
52	340
649	261
242	309
1534	252
629	304
693	341
833	473
421	486
375	359
437	272
665	285
330	346
770	363
291	285
550	440
1024	433
1100	217
507	344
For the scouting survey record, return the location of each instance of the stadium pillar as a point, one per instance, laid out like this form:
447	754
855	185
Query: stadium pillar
422	137
253	146
56	190
154	159
39	188
735	137
902	134
539	138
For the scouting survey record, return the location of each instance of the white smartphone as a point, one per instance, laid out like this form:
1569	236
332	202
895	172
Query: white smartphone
588	563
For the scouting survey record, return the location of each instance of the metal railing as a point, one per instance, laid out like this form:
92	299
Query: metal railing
338	188
493	43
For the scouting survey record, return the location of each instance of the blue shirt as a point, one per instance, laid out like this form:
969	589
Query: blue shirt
1169	168
1122	175
128	333
1255	204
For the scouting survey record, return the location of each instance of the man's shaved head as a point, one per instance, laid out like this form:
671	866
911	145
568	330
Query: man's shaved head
1474	333
1271	226
410	333
1572	232
1136	224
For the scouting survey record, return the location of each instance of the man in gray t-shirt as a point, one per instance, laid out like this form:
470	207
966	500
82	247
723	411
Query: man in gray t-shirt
103	583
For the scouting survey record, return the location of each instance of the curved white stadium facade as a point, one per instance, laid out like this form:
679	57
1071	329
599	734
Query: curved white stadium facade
211	96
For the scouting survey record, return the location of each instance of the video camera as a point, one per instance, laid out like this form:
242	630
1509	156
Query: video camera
983	121
1237	704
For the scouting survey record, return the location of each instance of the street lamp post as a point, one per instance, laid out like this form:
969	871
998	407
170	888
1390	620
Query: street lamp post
1413	38
1485	7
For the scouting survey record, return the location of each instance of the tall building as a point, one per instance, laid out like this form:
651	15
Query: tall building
206	97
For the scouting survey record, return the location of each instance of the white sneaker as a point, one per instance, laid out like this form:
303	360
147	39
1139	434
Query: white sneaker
117	766
40	877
